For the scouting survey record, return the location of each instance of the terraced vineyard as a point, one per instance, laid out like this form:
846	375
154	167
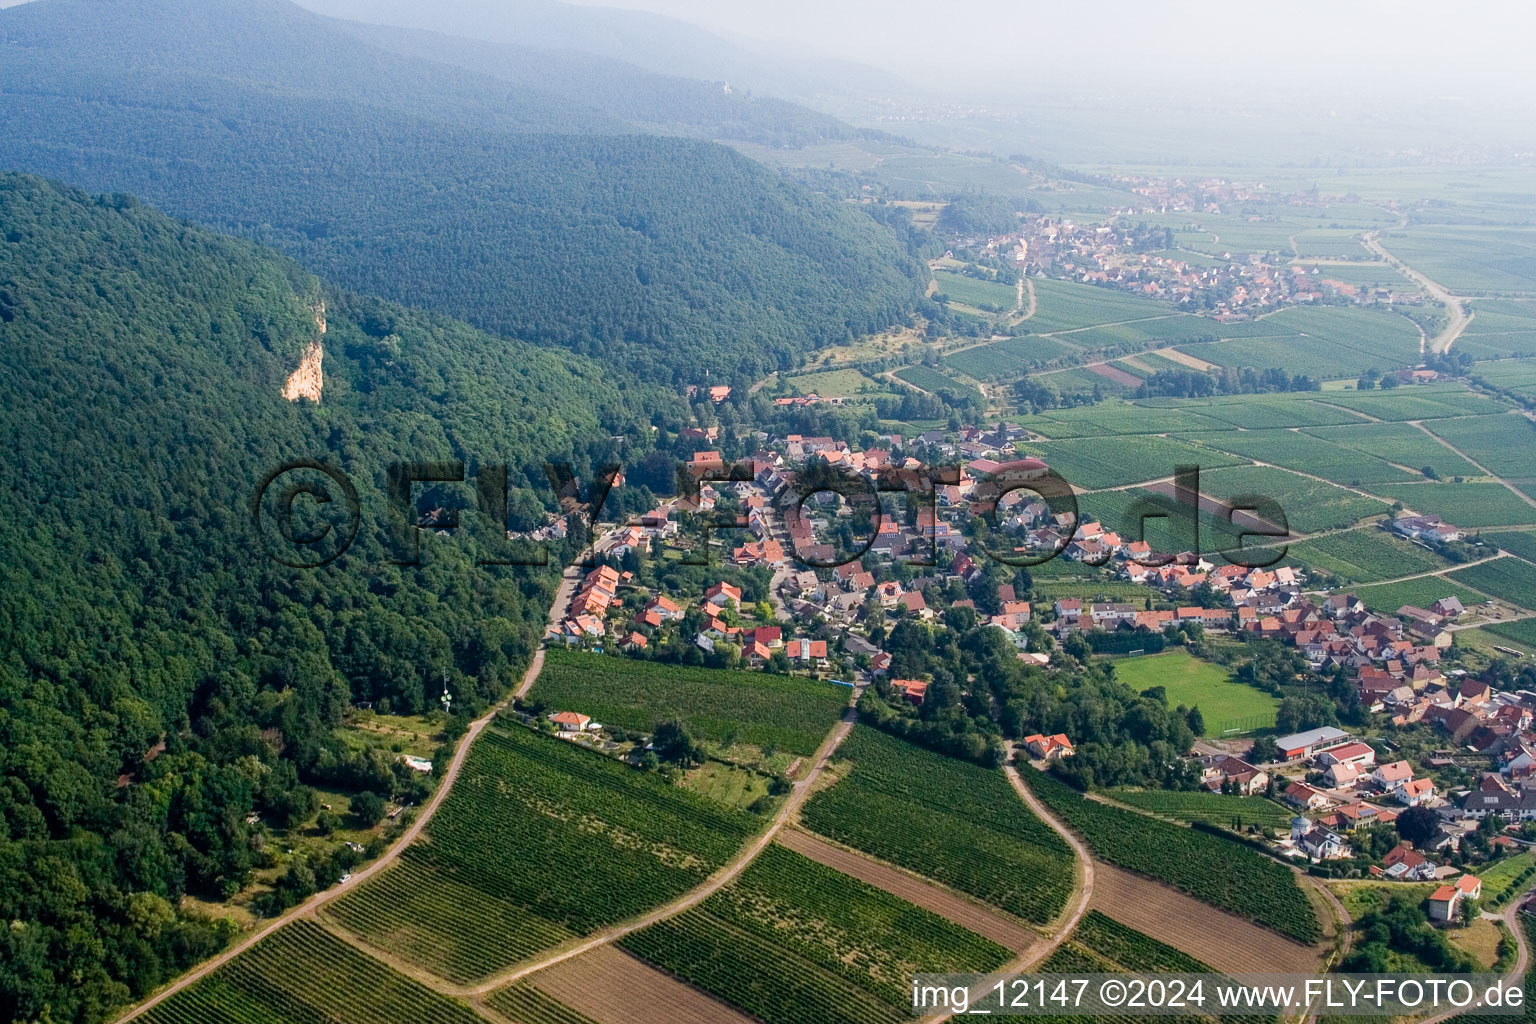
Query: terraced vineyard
795	942
301	975
793	714
539	840
1215	808
1217	871
915	808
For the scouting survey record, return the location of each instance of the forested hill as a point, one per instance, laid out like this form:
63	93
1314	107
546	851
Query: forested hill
659	255
651	41
141	368
653	102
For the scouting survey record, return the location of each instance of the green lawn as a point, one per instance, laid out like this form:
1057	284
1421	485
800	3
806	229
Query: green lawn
1223	703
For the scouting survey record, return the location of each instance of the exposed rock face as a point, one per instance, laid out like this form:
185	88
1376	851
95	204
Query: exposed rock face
307	381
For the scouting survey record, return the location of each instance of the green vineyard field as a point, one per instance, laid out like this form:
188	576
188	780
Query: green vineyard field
540	840
301	975
757	708
1214	808
1223	873
795	942
915	808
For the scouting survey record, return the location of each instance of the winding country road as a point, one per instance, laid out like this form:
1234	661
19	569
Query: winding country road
693	897
1455	305
1065	926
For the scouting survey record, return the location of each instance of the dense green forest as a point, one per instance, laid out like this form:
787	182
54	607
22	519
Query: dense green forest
141	367
657	255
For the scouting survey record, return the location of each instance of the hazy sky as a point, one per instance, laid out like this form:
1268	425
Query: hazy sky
1423	47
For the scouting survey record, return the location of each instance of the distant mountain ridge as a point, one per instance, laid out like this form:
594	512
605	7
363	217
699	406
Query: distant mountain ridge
651	41
528	215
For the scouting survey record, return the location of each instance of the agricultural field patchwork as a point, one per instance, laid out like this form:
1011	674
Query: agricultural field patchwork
1063	306
1259	412
1517	375
1080	380
931	380
1322	342
527	1004
1012	358
915	808
1424	402
540	840
1112	461
1308	454
793	714
1516	542
1118	419
1217	871
303	974
1421	593
1309	505
1360	274
1470	260
1366	555
1400	443
1505	445
984	295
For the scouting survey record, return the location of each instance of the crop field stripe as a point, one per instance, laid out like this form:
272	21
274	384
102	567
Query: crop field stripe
1214	808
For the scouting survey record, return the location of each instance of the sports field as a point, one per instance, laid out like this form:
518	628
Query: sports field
1224	704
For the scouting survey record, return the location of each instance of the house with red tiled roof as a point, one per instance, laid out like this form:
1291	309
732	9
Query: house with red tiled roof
571	721
1049	747
722	592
